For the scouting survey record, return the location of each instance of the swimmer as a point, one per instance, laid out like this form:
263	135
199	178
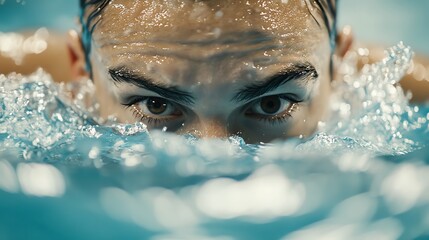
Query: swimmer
261	70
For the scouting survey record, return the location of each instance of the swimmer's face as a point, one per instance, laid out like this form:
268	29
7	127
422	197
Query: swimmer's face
252	68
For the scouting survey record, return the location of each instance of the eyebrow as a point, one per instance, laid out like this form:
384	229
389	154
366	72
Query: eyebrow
299	71
124	75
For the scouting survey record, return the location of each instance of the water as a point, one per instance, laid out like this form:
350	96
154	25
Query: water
363	176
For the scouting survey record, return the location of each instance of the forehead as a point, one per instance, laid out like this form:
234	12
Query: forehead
177	39
194	20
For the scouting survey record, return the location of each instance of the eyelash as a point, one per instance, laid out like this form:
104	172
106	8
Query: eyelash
143	117
131	105
273	120
278	119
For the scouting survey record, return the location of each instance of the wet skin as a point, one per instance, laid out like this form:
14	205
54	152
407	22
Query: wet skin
257	69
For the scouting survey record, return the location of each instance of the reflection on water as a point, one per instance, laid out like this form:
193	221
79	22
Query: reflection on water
363	176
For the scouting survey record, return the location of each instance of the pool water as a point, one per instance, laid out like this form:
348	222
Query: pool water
362	176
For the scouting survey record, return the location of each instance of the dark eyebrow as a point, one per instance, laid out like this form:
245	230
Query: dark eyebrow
300	71
123	75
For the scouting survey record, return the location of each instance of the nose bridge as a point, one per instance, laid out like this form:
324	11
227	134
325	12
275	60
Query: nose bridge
209	127
213	107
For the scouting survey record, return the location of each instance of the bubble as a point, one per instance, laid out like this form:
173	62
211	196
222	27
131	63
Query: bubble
41	180
17	46
163	184
219	14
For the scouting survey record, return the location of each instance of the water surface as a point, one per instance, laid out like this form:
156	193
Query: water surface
362	176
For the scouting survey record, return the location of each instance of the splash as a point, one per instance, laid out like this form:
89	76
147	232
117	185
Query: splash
364	171
369	112
369	109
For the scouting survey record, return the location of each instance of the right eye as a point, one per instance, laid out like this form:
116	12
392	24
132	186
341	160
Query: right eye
157	107
155	111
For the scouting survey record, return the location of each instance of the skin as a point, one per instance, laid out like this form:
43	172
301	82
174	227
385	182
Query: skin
187	46
184	45
54	59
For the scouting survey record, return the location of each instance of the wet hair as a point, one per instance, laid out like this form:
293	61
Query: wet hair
89	21
88	24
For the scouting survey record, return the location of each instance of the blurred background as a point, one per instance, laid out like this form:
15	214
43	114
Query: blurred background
382	21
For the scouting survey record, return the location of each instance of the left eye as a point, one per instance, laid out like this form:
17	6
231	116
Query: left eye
270	106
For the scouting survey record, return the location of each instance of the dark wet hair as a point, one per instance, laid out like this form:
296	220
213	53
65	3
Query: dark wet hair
88	25
328	9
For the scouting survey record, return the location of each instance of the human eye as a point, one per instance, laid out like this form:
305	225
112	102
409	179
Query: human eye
155	111
272	109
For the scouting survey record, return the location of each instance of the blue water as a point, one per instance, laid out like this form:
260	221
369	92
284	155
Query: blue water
362	176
